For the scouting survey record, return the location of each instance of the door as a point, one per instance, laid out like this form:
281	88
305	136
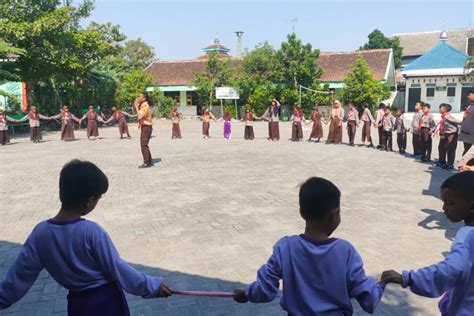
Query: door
414	95
464	101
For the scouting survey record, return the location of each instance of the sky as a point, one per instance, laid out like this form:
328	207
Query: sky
180	29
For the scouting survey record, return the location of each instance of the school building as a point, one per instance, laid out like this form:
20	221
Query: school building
438	76
175	78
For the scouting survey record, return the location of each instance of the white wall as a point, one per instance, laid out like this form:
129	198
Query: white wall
440	96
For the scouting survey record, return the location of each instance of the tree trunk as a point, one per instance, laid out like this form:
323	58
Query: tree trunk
30	86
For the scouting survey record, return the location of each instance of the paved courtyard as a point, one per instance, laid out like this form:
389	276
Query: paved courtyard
206	216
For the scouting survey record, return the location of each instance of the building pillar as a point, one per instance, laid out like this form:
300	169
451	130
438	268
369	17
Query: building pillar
182	98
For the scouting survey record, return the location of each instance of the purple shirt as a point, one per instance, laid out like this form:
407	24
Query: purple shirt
318	278
79	255
453	277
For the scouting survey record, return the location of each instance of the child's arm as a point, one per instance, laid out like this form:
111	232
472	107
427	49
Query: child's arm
436	279
367	292
121	272
266	287
22	274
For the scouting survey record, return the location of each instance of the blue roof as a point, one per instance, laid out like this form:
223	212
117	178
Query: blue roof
440	56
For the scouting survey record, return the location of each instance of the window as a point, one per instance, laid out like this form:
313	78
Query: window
470	46
430	92
451	91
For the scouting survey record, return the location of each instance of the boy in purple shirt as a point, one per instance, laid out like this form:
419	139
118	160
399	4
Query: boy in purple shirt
320	274
454	276
78	253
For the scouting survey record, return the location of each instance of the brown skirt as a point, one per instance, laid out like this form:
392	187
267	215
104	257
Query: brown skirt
296	131
4	137
366	132
317	131
92	130
175	131
205	128
35	134
123	127
273	131
67	131
335	131
248	133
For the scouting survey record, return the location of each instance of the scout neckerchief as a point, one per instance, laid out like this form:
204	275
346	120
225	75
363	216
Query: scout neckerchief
66	117
91	115
442	123
314	116
385	118
33	115
467	110
350	114
117	115
423	119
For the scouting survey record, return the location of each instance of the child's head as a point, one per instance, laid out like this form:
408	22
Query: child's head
33	108
320	203
426	107
81	185
458	198
365	105
91	108
114	109
65	108
400	112
470	96
387	110
382	106
444	107
350	105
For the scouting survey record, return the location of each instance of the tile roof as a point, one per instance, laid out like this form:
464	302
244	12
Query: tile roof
442	56
179	72
416	44
336	66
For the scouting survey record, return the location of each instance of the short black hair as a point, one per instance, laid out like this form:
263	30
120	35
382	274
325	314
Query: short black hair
471	91
401	110
365	104
447	106
462	183
79	181
421	103
426	105
318	197
382	105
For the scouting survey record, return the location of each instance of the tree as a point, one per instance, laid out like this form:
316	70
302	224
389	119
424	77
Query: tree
378	40
296	65
217	73
138	53
54	41
360	85
255	78
133	83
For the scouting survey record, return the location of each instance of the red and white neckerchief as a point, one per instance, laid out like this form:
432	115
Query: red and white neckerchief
33	115
314	116
442	123
66	117
423	119
117	115
467	110
350	114
385	118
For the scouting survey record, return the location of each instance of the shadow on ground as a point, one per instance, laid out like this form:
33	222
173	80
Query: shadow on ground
46	297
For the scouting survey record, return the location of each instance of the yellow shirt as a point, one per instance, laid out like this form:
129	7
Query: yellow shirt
145	114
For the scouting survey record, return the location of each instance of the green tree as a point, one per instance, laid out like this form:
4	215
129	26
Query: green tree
133	83
378	40
55	43
296	65
138	53
255	78
360	85
217	73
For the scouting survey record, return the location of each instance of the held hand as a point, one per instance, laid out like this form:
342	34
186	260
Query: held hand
391	276
163	291
239	296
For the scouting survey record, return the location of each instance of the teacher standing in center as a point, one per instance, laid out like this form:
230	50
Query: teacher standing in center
145	123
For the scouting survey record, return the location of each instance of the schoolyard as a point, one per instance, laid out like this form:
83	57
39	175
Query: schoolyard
206	215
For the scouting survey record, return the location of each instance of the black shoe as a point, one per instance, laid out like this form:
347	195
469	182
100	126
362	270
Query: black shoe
440	164
145	165
448	167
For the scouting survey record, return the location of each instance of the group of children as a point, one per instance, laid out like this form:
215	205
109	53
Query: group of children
320	273
67	120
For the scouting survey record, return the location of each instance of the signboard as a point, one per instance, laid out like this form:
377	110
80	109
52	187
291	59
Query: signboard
227	93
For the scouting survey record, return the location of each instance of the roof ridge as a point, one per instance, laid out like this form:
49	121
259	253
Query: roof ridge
434	31
363	51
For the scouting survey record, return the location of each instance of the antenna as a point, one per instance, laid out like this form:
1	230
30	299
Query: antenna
293	22
239	42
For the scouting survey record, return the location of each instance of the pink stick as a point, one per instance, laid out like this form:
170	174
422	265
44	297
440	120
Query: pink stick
204	293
